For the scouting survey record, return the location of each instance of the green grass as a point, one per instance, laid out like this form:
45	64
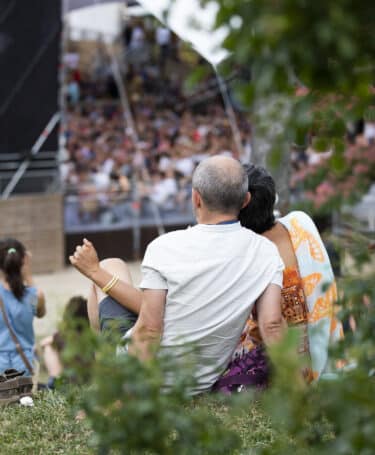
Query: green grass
47	428
250	423
50	426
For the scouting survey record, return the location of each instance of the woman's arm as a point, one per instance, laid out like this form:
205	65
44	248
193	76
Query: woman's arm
41	305
86	261
124	293
29	281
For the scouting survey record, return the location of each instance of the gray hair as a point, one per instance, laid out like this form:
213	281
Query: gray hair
222	184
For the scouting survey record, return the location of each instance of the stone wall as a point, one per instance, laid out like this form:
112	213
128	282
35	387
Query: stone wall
37	221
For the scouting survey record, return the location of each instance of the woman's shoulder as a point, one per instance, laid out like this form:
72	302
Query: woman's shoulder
31	290
30	296
5	293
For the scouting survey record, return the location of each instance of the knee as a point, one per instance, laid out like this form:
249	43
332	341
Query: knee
116	266
110	262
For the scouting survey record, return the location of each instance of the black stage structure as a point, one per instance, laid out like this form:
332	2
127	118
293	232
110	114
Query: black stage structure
30	37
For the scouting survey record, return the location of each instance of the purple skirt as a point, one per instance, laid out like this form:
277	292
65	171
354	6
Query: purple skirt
252	370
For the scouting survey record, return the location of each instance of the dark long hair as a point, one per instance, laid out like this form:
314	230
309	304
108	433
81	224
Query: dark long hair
12	255
258	214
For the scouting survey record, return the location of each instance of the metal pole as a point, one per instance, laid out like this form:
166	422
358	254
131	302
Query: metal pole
230	112
34	151
133	131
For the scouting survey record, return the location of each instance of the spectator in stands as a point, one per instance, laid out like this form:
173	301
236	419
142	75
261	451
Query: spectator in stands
21	301
173	135
163	39
164	190
73	91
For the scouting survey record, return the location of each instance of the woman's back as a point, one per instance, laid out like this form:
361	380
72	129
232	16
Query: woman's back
20	315
279	235
21	301
308	276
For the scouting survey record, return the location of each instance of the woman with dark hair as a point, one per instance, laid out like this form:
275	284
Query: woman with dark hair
309	288
21	302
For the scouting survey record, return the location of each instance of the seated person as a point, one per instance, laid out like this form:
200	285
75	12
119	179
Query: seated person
309	288
75	318
21	301
199	284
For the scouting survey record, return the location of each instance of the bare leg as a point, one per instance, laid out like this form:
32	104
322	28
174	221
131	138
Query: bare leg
115	266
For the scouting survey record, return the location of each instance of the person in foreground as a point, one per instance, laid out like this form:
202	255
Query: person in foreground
199	284
21	301
74	322
309	288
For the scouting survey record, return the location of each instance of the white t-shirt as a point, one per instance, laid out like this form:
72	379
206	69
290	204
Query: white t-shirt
185	166
162	190
213	274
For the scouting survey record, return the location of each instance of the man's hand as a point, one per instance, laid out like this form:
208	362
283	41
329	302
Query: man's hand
85	259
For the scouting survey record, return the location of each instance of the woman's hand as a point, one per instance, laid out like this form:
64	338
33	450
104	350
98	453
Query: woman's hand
85	259
46	341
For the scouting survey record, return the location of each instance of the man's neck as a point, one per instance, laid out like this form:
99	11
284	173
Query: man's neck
215	218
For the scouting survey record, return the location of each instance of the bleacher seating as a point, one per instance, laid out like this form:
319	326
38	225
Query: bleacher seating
40	175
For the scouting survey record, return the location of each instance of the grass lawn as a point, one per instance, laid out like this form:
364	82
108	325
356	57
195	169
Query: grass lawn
50	426
47	428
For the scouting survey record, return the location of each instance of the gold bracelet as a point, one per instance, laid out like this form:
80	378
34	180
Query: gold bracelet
110	284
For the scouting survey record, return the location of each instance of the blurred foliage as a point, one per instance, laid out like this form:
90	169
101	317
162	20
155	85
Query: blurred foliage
77	345
336	415
131	410
338	180
327	47
318	55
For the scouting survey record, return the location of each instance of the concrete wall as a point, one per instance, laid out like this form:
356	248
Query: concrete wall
115	242
37	221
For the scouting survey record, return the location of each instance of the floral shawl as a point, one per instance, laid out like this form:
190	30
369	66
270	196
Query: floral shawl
319	287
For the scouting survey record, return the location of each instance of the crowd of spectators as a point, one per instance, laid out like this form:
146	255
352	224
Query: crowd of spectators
112	171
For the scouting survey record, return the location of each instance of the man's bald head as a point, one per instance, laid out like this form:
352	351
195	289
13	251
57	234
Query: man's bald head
222	184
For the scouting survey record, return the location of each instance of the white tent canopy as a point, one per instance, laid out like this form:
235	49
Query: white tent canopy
100	19
193	23
187	18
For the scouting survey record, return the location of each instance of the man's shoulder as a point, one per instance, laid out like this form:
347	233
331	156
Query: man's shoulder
262	249
258	238
168	237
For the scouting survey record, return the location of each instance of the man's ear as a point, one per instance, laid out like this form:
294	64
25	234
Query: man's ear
196	198
246	200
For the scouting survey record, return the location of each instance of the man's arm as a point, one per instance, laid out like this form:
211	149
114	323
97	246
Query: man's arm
270	319
146	333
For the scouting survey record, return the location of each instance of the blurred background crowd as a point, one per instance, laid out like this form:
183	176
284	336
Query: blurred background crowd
132	154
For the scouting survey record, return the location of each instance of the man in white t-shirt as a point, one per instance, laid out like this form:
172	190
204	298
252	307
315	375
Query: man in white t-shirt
200	284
